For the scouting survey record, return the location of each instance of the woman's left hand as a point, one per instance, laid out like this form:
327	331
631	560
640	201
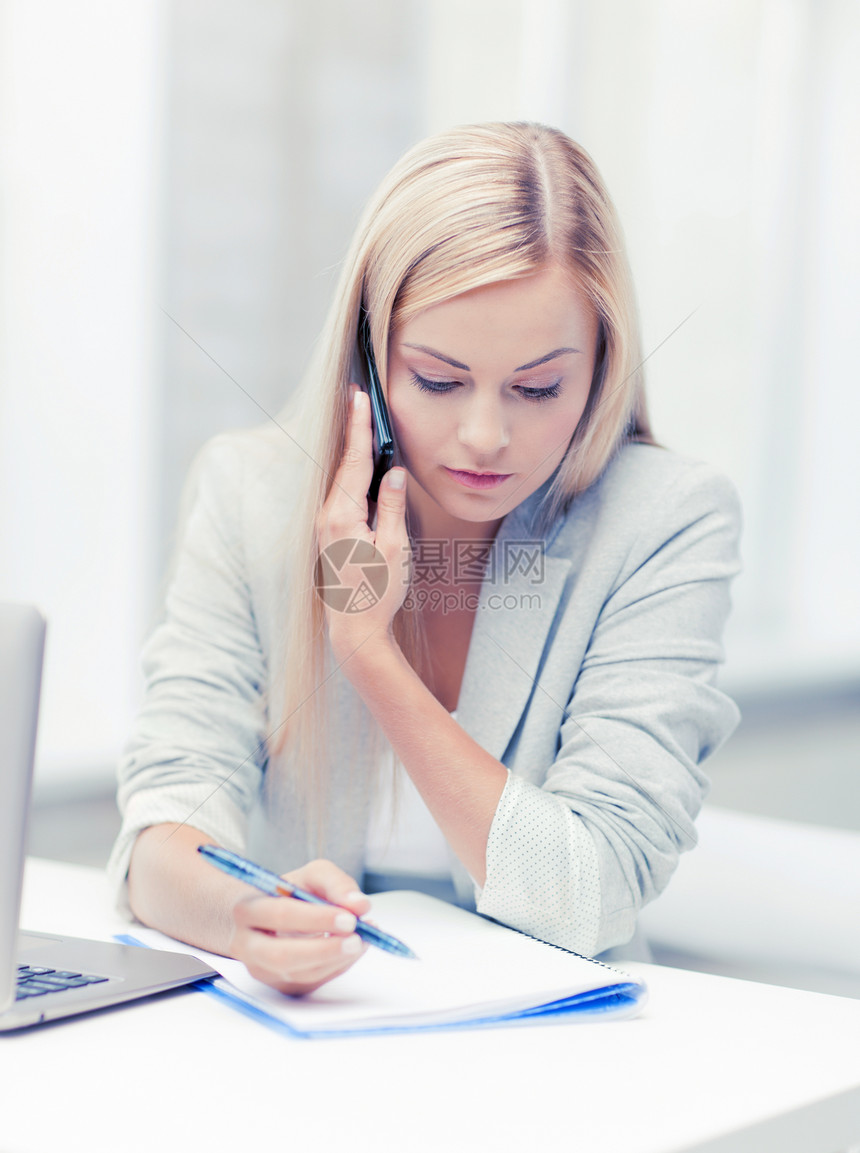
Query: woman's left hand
362	574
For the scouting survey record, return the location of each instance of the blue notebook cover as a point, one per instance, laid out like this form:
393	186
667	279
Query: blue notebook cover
472	973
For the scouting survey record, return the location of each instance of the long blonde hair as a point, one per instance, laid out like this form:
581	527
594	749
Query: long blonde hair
469	207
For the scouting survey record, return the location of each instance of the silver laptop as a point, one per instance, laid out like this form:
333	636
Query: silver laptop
44	977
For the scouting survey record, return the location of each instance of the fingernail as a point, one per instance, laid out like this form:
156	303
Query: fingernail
345	922
397	478
351	945
357	398
355	895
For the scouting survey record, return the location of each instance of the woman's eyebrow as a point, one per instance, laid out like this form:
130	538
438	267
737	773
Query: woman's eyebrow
438	356
544	359
522	368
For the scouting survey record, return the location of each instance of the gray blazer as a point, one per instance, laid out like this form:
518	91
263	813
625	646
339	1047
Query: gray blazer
590	675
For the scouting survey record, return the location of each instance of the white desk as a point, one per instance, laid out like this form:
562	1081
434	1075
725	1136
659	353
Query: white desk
713	1065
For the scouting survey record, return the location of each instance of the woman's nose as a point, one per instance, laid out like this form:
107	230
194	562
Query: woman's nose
483	427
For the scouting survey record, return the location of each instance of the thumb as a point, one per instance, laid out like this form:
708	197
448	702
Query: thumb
391	506
391	534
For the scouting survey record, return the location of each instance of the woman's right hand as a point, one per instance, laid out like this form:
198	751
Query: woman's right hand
296	946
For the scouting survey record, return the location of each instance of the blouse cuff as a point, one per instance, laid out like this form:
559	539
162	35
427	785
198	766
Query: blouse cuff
224	823
542	869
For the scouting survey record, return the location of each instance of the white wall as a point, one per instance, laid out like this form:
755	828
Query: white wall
79	109
211	159
727	134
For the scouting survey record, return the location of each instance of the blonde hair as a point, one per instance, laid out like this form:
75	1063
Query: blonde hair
469	207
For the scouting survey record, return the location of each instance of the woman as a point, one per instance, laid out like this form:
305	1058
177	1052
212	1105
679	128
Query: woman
521	692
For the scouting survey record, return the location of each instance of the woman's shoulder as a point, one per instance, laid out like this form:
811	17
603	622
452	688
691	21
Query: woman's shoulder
241	455
636	463
244	486
647	478
244	470
648	491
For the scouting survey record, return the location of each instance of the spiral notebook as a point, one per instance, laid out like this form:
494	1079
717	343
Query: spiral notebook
471	972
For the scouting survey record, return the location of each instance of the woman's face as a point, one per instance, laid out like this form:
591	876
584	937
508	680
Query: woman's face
485	392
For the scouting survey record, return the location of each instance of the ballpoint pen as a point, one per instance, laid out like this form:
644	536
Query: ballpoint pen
275	886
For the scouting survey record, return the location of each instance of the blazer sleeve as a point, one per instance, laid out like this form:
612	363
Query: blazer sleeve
574	860
197	749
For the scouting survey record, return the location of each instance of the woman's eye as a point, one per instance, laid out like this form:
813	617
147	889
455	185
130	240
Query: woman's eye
525	391
432	385
540	393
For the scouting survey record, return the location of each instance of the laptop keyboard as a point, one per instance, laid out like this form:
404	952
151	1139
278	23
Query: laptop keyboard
36	981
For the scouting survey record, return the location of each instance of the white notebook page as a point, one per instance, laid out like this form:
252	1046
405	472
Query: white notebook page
468	967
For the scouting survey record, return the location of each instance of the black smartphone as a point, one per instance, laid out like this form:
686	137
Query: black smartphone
383	441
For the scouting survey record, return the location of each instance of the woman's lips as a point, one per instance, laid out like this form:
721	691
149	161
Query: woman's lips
478	479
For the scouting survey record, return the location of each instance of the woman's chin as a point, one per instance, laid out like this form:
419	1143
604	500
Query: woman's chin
440	514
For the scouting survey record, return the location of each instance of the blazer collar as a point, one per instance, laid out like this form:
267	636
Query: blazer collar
519	599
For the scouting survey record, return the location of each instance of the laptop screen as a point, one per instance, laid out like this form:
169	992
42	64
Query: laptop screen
22	643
